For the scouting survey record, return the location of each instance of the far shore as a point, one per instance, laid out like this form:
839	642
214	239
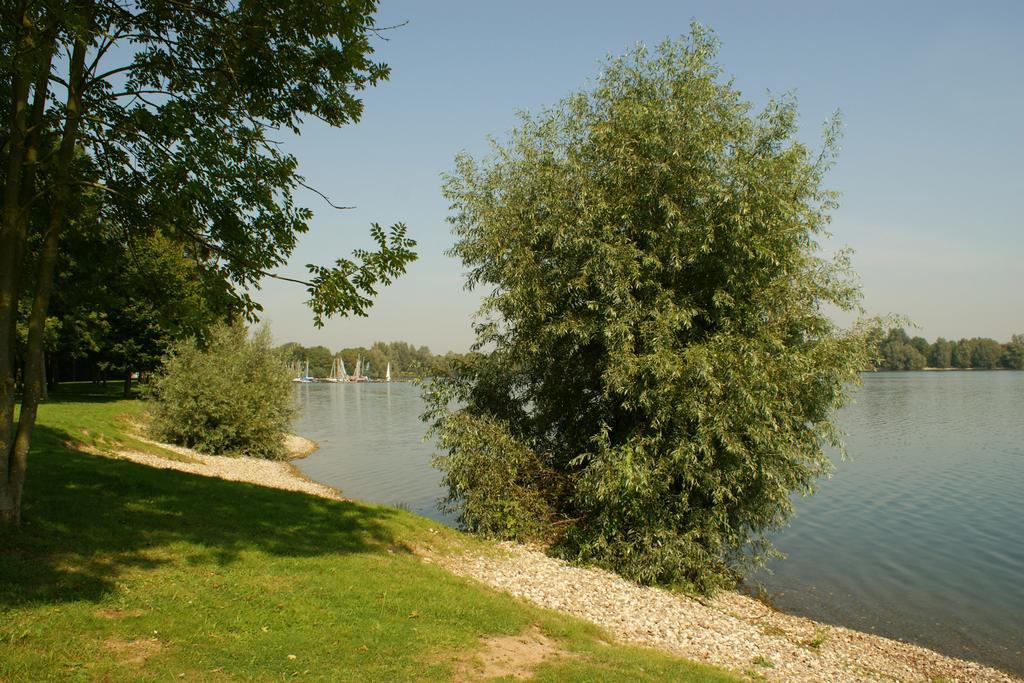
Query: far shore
882	370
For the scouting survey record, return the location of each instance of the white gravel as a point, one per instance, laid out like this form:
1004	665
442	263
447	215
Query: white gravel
272	473
730	630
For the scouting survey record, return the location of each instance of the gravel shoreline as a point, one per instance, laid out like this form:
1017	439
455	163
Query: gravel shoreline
273	473
731	630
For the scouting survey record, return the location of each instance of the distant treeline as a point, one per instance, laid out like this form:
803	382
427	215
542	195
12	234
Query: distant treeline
407	361
898	351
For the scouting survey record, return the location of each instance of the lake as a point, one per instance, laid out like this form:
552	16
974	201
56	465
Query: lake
919	535
371	443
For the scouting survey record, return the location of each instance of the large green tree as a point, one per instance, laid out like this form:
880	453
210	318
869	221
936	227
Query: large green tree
987	353
165	114
898	351
941	353
120	306
1014	356
921	345
659	374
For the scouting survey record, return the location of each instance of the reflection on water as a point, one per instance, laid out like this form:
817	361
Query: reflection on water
371	443
918	536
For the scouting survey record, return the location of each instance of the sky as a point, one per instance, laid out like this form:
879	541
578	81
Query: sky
930	172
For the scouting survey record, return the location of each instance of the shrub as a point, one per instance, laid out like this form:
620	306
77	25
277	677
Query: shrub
497	485
661	373
229	396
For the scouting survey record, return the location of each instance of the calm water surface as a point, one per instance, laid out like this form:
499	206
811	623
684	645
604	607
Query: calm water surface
918	536
371	444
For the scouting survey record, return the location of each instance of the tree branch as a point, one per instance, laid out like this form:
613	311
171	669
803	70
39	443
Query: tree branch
376	30
286	279
324	197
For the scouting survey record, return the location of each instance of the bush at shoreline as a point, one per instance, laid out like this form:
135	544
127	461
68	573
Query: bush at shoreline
231	397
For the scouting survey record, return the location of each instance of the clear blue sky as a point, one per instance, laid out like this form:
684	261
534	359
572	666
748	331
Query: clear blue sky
931	173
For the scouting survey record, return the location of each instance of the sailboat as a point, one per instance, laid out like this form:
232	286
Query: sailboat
342	371
358	375
305	379
387	375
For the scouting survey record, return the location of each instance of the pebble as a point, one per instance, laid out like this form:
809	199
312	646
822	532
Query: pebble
272	473
730	630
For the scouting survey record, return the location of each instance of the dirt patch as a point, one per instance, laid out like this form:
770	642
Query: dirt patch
133	651
118	613
509	656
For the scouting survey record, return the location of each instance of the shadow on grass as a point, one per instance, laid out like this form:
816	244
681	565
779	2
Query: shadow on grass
89	519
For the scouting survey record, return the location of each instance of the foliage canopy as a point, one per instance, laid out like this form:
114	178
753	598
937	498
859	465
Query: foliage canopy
119	307
660	375
141	117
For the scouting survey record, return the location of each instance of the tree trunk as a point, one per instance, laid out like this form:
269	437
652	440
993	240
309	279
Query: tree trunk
127	383
15	451
53	376
12	239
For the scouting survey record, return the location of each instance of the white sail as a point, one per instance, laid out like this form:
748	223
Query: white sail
342	372
387	376
299	377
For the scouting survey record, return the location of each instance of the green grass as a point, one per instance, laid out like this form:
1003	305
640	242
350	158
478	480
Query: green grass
124	572
821	637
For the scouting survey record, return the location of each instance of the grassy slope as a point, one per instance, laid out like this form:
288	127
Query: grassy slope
121	571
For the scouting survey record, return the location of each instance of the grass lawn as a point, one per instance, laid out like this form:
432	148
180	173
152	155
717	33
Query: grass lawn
124	572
